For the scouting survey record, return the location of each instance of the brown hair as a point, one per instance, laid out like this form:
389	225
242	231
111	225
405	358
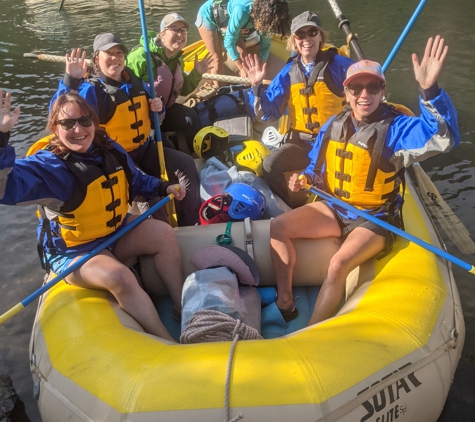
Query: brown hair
271	16
101	139
291	46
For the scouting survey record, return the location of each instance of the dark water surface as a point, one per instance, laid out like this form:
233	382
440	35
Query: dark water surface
28	25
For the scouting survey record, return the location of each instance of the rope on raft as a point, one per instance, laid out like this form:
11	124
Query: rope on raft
208	326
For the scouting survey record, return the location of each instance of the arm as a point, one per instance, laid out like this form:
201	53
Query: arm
436	130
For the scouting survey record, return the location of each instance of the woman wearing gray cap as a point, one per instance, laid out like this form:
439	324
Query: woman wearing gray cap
123	104
310	86
170	79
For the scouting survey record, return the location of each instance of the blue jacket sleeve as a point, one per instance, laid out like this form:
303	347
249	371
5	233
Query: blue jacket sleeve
414	139
271	104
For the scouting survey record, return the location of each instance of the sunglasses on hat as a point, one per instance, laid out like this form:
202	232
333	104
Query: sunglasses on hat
68	124
372	88
310	33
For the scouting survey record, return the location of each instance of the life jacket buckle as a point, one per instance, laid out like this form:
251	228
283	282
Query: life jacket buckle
113	205
134	106
136	125
310	126
138	139
307	90
114	221
342	176
311	110
341	193
110	182
344	154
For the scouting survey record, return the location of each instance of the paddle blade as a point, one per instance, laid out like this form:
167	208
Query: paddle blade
441	212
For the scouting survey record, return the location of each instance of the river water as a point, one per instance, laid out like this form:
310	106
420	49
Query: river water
37	25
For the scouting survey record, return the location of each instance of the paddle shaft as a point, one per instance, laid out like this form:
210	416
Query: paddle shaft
117	235
470	268
402	37
344	24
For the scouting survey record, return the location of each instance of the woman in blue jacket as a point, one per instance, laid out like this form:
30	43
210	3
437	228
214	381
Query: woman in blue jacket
83	183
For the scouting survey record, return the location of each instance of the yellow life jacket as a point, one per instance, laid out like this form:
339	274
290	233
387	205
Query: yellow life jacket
125	117
100	200
354	170
315	99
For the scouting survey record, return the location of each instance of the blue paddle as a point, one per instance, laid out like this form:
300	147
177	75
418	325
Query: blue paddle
24	303
402	37
439	252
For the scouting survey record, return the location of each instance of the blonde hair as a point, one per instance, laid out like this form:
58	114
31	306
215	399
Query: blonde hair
292	46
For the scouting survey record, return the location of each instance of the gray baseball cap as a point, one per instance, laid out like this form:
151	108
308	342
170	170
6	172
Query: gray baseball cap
305	19
105	41
171	18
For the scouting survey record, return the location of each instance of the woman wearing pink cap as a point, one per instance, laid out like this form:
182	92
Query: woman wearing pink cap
359	157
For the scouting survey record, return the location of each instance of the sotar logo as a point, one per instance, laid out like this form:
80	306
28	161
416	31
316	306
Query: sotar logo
362	144
387	396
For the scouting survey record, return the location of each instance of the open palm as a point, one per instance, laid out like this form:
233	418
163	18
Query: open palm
8	119
428	70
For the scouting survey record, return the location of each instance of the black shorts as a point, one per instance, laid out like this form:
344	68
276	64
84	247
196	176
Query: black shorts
347	226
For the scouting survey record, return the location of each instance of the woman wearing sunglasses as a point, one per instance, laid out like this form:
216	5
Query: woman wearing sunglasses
311	87
359	157
169	77
122	103
83	183
229	22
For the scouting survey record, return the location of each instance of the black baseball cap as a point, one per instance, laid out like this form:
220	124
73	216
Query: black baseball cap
305	19
104	42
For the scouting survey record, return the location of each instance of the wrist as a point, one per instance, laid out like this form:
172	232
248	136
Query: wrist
4	137
71	82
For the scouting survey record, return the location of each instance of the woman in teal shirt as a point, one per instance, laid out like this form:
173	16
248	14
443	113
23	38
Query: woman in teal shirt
235	20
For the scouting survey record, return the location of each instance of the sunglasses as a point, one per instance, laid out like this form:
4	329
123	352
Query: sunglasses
177	31
68	124
372	88
310	33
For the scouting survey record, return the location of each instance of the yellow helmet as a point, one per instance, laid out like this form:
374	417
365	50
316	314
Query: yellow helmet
252	156
211	141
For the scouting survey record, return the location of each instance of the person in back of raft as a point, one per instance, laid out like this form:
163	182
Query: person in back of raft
229	22
122	102
170	78
79	210
310	86
359	157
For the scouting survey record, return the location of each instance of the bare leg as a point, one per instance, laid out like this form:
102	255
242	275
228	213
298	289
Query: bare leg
214	45
104	272
156	238
360	245
311	221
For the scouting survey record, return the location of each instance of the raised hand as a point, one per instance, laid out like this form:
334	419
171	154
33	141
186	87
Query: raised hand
203	65
8	119
76	64
429	69
255	72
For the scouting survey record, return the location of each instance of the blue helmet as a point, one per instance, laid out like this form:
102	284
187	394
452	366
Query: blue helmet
246	202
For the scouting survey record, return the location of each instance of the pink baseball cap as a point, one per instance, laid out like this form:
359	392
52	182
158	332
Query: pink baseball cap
364	67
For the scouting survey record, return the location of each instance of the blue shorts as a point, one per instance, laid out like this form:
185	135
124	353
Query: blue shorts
204	17
60	263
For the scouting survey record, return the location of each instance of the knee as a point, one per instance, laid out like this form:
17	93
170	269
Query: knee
273	164
121	281
279	227
338	269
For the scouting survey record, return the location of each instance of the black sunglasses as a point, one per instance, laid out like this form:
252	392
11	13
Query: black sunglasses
68	124
372	88
301	35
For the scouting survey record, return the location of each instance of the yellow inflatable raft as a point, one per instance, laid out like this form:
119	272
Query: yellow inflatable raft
388	355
